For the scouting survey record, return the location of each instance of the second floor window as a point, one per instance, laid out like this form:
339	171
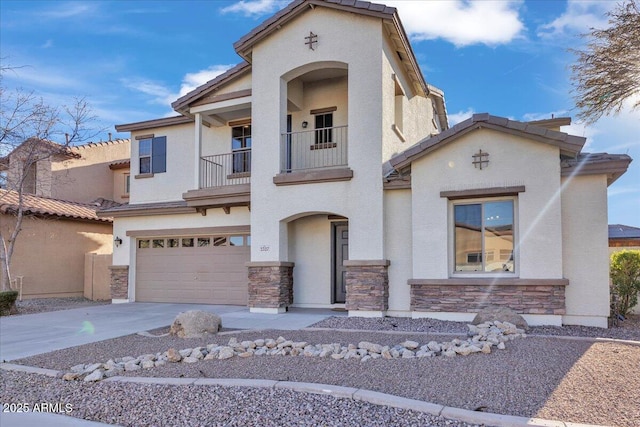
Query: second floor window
324	131
153	155
241	148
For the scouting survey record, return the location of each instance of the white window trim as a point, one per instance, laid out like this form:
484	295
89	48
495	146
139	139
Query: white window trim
451	239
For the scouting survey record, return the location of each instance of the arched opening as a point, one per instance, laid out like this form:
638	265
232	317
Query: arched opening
318	244
317	117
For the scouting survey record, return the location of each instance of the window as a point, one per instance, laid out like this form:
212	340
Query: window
241	148
153	155
398	108
484	228
127	184
30	179
324	123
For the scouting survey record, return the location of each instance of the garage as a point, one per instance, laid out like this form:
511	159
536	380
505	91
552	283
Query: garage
193	269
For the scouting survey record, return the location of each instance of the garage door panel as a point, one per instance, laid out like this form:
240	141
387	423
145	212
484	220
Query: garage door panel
212	274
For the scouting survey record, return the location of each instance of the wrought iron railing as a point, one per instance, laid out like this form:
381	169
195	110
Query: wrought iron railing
313	149
225	169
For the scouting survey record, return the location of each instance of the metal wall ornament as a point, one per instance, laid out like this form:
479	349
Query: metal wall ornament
480	160
311	39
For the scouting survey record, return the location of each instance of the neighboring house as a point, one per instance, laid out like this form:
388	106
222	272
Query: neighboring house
623	237
321	172
49	254
81	173
63	248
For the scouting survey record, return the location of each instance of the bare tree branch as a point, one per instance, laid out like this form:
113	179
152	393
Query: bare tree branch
607	72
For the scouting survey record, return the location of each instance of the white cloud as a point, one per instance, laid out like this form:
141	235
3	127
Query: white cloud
579	17
254	8
461	22
192	80
460	116
67	10
163	95
47	44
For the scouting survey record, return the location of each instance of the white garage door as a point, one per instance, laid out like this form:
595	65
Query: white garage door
193	269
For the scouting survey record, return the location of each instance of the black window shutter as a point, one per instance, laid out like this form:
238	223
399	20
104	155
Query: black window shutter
159	154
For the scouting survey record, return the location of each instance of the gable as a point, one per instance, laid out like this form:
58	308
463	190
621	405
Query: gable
569	145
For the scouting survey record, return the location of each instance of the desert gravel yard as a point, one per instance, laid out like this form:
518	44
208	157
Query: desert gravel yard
538	376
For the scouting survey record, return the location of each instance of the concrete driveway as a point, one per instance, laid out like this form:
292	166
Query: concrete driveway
31	334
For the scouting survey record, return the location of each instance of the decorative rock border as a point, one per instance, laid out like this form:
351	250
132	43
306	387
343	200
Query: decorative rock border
482	338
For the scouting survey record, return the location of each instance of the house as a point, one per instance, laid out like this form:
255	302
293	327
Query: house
63	248
321	172
623	237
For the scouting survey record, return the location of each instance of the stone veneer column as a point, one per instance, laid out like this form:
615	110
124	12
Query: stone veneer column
367	287
119	282
270	286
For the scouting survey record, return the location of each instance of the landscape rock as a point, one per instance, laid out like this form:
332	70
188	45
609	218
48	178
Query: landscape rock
195	324
173	355
96	375
501	314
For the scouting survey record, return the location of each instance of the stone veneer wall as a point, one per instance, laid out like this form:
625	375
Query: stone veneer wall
119	281
367	285
524	299
270	284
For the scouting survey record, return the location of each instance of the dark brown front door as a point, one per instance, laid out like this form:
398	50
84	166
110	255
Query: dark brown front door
341	253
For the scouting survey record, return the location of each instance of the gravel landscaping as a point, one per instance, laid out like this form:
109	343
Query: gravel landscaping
546	377
43	305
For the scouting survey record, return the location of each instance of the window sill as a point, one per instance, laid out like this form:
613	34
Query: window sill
323	145
124	196
489	281
143	175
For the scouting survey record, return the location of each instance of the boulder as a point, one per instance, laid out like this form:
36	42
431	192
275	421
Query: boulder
195	324
502	314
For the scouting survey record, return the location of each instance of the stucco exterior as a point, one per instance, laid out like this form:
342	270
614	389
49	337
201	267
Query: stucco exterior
387	172
50	254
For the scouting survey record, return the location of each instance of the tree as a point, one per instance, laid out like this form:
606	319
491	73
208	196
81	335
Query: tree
625	278
607	72
28	129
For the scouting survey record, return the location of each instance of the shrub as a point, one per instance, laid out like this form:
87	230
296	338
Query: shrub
625	279
7	301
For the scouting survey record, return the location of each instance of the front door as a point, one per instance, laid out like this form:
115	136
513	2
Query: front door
341	253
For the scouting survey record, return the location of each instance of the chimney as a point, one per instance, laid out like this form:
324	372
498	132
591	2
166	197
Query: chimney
66	136
109	136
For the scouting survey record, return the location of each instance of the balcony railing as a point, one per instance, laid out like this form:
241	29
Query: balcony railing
313	149
225	169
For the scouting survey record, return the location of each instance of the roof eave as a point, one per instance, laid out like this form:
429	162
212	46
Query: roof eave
155	123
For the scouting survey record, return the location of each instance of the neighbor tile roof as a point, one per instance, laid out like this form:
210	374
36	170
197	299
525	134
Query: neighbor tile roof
613	165
45	206
619	231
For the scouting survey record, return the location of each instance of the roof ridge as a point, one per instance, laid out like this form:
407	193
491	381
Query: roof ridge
101	143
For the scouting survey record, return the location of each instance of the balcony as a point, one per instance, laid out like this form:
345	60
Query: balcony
314	156
224	182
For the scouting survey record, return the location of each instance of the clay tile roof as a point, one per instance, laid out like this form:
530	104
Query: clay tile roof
122	164
619	231
44	206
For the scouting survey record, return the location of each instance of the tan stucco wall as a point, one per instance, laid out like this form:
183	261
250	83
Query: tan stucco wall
398	243
50	254
97	276
119	188
537	210
89	177
585	249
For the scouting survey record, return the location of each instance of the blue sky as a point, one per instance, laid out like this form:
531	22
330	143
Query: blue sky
131	59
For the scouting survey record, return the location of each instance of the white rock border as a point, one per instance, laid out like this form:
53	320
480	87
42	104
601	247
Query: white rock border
482	338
